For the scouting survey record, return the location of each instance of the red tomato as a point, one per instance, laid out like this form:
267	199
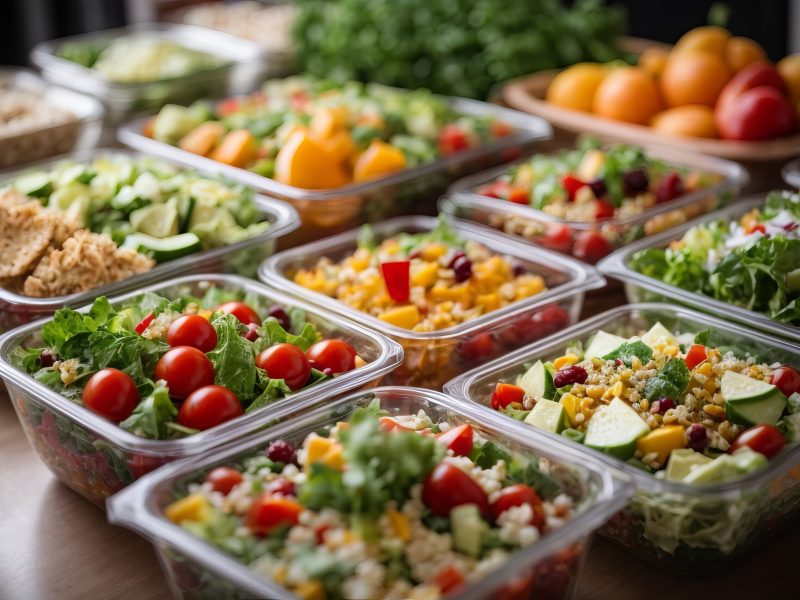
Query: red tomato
591	246
111	394
397	277
194	331
495	189
669	187
458	439
140	465
516	495
550	318
389	424
765	439
209	406
336	355
518	195
786	379
144	323
448	579
760	227
506	393
241	311
558	237
572	185
452	139
447	486
281	486
224	479
185	369
695	355
478	347
603	209
500	129
267	513
287	362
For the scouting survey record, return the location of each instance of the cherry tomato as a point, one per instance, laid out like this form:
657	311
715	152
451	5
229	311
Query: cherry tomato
500	129
144	323
241	311
287	362
281	486
572	185
766	439
268	512
478	347
695	355
669	188
111	394
786	379
603	209
496	189
447	486
224	479
452	139
228	106
336	355
516	495
389	424
518	195
448	579
558	237
185	369
209	406
591	246
549	319
760	227
140	465
458	439
506	393
194	331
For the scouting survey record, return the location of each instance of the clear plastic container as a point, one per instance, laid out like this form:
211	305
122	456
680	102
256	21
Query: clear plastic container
324	212
791	173
242	258
641	288
246	64
96	458
678	528
464	202
81	133
546	569
434	357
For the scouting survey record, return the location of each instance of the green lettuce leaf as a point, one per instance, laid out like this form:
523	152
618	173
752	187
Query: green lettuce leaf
233	357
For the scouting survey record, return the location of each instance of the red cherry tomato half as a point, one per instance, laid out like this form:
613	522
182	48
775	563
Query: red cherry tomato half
695	355
501	129
111	394
518	195
185	369
786	379
558	237
506	393
268	512
516	495
448	579
591	246
603	209
287	362
241	311
447	486
209	406
336	355
281	486
388	424
458	439
224	479
144	323
496	189
760	227
572	185
765	439
452	139
478	347
194	331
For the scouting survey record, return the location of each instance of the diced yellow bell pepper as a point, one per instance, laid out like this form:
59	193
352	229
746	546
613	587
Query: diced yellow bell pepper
662	441
570	402
310	590
489	302
530	287
316	447
191	508
564	361
425	275
400	524
402	316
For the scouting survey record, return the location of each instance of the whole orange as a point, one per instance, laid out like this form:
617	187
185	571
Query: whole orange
708	38
653	60
693	120
693	77
789	69
741	52
627	94
575	87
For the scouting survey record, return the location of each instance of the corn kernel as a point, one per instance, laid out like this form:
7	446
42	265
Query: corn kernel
594	391
433	252
704	369
586	404
671	350
615	391
644	404
564	361
636	364
279	574
714	410
191	508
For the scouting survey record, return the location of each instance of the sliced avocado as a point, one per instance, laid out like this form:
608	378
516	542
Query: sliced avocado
603	343
658	334
538	382
157	220
682	461
34	185
614	430
750	401
548	415
164	249
467	526
726	467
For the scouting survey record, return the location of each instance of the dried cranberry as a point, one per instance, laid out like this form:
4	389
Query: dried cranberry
669	188
662	405
282	452
455	257
252	332
599	187
697	437
518	269
46	358
635	182
462	267
618	362
281	486
280	314
568	375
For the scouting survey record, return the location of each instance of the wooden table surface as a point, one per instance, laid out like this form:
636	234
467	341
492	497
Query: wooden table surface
55	544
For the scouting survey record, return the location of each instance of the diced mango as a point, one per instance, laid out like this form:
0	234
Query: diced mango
191	508
316	447
571	403
402	316
488	301
310	590
457	293
433	252
340	145
303	162
323	123
203	138
334	457
400	524
662	441
425	275
530	287
379	159
237	149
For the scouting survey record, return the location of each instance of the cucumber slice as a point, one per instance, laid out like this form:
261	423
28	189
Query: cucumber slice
615	429
186	206
751	401
736	387
727	467
467	526
603	343
683	461
78	211
63	197
793	280
76	174
659	335
164	249
157	220
548	415
538	382
34	185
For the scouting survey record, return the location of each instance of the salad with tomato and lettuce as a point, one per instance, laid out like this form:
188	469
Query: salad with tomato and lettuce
752	262
380	506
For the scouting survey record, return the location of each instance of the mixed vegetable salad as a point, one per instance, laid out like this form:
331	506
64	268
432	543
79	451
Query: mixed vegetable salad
752	262
378	507
682	408
312	134
165	369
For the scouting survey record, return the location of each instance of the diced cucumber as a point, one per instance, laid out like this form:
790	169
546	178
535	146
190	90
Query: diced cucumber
736	387
164	249
126	197
34	185
682	461
63	197
186	206
614	430
79	173
750	401
173	122
538	382
157	220
727	467
467	526
603	343
548	415
658	334
791	424
78	211
793	280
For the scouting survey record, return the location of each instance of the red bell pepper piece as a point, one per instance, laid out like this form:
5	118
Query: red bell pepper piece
458	439
572	185
144	323
397	277
506	393
603	209
518	195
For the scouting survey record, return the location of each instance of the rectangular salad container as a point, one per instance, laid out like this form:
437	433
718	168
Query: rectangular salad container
791	173
242	258
433	357
246	63
678	528
36	144
464	201
641	288
411	191
96	458
546	569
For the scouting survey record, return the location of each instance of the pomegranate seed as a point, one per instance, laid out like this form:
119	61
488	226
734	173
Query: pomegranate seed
635	182
599	187
279	313
46	358
281	486
462	267
282	452
571	374
456	256
662	405
669	188
252	332
697	437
